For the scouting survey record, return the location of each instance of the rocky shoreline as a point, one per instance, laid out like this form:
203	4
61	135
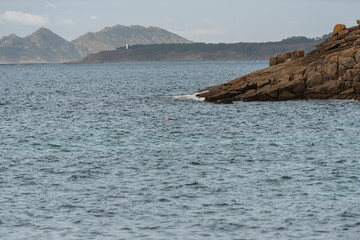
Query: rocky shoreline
331	71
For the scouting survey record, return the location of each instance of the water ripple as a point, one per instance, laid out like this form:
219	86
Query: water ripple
87	152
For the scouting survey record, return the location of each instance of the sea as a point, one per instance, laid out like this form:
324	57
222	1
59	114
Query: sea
87	152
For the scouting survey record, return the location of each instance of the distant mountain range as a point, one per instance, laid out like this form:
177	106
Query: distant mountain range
203	51
44	46
145	44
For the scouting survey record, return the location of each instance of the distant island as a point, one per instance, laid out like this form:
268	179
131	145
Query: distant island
135	43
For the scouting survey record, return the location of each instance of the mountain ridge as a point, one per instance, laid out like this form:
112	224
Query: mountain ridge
42	46
110	38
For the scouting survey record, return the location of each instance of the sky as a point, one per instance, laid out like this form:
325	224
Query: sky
210	21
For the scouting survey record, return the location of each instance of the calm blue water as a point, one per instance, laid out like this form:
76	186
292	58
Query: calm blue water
86	153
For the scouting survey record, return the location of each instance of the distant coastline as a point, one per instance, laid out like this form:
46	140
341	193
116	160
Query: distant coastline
202	51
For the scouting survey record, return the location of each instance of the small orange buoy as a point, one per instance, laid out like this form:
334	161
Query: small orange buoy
169	119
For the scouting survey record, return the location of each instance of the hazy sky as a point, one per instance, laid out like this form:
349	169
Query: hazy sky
198	20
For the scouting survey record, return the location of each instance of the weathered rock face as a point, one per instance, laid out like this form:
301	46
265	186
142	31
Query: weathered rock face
331	71
283	57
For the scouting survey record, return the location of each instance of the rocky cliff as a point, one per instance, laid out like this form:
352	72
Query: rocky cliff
331	71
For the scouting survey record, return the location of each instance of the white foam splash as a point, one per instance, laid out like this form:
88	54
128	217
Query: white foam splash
191	96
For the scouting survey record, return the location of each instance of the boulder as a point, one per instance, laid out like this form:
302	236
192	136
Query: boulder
283	57
338	28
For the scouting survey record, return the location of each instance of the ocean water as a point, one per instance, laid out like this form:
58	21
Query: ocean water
87	152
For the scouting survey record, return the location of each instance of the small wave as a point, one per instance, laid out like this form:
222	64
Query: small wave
339	101
191	96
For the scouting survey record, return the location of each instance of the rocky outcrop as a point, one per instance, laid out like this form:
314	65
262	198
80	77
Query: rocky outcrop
283	57
331	71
